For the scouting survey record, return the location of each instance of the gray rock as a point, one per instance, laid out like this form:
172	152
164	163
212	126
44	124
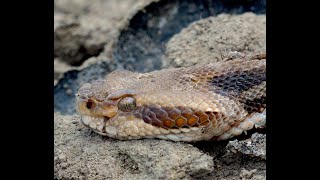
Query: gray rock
59	69
254	146
82	28
82	154
207	40
246	175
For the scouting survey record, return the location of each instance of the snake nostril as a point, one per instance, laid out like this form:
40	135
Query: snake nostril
89	104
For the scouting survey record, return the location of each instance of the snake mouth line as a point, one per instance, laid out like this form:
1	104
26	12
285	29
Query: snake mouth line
98	124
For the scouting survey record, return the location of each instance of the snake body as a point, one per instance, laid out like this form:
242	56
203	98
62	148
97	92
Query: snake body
204	102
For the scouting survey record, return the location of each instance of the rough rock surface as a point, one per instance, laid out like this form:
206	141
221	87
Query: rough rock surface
82	28
91	156
206	40
254	146
88	36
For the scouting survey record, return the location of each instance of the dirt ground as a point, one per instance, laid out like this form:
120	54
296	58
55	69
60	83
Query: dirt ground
93	38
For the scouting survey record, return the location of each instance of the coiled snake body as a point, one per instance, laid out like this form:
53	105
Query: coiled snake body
204	102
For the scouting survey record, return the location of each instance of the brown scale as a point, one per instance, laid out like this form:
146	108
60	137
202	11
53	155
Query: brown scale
175	118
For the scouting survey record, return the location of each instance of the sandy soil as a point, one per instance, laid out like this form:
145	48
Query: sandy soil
93	39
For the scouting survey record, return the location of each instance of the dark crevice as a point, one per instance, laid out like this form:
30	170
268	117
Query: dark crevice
72	49
85	54
217	148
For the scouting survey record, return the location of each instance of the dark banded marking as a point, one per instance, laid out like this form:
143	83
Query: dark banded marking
234	83
255	105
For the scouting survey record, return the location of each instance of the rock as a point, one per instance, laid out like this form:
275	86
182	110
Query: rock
59	68
254	146
245	174
207	40
82	154
83	28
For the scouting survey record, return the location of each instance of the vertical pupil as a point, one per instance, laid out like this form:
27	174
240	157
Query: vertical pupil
127	104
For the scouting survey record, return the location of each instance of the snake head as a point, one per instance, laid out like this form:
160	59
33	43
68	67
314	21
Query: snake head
101	97
126	113
103	110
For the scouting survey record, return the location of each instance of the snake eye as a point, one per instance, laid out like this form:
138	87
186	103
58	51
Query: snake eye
127	104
